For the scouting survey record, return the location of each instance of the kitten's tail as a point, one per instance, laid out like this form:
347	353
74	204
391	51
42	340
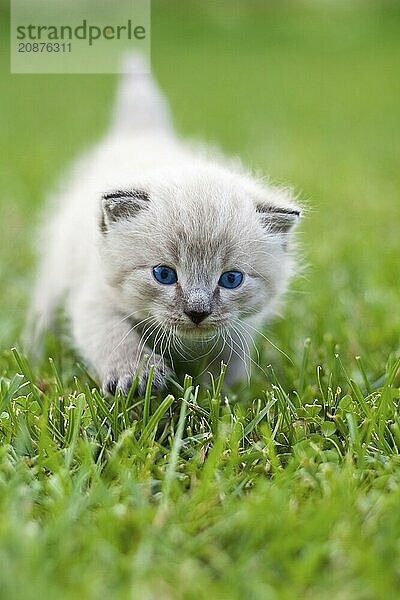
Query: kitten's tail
140	103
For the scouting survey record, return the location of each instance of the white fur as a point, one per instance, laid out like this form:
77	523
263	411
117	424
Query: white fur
206	203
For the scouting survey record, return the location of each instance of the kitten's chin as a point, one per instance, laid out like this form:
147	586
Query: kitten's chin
196	332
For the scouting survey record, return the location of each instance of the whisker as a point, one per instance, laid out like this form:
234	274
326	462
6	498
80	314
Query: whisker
248	334
213	358
247	354
161	344
270	342
124	319
170	338
129	332
147	333
243	357
230	348
176	344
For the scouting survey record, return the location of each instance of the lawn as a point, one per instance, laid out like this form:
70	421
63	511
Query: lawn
289	487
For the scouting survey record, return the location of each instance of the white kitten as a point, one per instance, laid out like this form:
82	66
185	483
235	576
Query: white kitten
153	242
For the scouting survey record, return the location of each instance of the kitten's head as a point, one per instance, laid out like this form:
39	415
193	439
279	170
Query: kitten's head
197	251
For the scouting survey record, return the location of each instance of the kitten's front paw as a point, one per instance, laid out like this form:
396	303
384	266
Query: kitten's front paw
123	381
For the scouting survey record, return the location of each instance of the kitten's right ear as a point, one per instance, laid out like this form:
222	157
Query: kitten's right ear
122	205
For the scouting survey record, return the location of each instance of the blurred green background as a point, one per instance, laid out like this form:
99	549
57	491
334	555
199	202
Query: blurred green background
306	92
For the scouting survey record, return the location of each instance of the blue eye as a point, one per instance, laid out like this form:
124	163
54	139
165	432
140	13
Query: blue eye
165	275
231	279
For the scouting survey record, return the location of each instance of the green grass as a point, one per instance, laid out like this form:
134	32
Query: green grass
290	487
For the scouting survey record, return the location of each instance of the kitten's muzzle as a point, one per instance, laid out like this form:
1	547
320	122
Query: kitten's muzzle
197	304
197	316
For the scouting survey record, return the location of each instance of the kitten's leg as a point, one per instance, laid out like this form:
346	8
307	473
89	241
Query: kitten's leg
237	369
113	347
48	290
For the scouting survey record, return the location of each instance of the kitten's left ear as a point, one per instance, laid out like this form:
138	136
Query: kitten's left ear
278	210
122	205
278	219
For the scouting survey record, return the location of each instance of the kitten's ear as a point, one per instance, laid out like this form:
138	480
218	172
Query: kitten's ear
278	219
121	205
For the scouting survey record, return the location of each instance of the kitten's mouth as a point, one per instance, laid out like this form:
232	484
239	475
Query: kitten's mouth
204	330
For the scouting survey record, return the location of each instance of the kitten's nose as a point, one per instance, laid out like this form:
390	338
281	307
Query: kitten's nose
197	316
